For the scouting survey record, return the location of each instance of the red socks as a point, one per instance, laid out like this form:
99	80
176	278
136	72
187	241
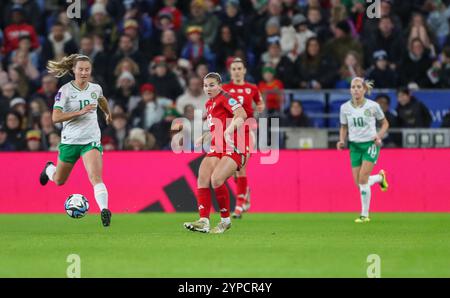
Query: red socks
223	198
241	191
204	201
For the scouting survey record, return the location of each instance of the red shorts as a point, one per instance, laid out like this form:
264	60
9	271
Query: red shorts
239	158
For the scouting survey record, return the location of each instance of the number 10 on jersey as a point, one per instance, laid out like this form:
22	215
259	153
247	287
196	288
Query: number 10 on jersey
83	103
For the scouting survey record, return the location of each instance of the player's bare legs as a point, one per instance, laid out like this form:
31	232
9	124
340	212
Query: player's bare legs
203	195
58	174
364	188
93	164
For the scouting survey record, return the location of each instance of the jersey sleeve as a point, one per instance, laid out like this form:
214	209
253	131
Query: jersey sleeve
342	117
100	91
257	98
379	115
60	99
231	104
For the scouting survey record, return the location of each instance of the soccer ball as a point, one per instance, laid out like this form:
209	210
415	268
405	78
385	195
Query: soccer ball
76	206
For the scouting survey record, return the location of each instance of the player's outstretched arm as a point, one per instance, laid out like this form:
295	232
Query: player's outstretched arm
60	116
103	104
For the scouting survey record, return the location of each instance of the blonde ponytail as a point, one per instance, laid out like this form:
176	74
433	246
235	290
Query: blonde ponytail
65	66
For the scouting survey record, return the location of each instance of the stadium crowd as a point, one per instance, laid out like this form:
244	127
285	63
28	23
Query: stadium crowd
150	55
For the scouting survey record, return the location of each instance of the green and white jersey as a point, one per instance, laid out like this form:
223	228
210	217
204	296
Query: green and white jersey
84	129
361	121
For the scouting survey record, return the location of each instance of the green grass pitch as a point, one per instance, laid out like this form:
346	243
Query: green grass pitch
259	245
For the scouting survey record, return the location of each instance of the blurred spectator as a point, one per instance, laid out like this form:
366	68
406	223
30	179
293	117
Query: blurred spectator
19	105
386	38
58	44
380	73
224	47
5	145
437	19
70	25
318	25
443	69
48	90
13	126
139	30
391	139
170	9
150	109
36	109
233	18
22	61
126	49
350	69
99	60
202	69
117	131
47	126
29	9
283	66
126	90
8	92
296	117
313	70
208	22
193	95
415	65
33	138
54	139
127	65
338	47
165	81
168	41
18	27
371	25
195	49
411	112
272	90
162	129
139	140
100	23
418	29
25	47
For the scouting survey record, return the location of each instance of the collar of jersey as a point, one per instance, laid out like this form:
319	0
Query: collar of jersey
75	86
351	102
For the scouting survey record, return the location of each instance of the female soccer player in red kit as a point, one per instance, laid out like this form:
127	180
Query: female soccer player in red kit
225	115
246	93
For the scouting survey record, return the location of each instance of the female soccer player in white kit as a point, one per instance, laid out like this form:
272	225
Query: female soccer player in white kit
358	118
76	107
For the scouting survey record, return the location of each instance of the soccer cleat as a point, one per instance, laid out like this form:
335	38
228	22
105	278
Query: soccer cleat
237	212
221	228
362	219
43	179
198	226
383	184
106	217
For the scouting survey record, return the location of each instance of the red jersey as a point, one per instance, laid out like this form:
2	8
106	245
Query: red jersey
221	108
246	94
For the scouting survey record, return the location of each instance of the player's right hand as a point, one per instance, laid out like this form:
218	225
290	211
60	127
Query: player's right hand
88	108
340	145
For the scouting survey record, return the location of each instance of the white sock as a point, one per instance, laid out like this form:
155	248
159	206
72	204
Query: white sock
50	171
374	179
365	199
225	220
101	195
205	219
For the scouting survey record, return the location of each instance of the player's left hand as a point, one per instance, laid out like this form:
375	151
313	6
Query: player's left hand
260	107
108	118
